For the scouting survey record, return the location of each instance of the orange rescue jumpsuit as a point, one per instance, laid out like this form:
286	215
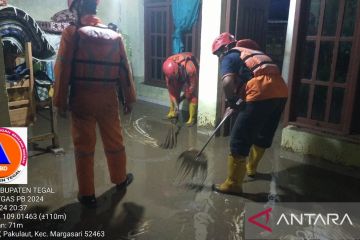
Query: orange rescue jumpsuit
185	75
188	79
93	99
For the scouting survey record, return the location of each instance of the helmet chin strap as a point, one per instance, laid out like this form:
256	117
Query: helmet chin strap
227	49
223	51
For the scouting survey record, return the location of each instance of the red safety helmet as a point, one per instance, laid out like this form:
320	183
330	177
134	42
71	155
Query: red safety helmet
71	2
248	43
222	40
171	69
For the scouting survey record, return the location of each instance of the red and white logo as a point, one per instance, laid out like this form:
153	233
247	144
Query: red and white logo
253	219
13	156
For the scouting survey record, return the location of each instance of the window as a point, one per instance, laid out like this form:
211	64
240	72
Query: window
158	39
325	66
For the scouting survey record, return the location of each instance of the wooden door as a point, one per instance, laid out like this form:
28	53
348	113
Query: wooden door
244	19
248	19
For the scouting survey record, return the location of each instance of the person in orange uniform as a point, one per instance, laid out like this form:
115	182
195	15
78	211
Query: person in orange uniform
182	73
251	75
92	61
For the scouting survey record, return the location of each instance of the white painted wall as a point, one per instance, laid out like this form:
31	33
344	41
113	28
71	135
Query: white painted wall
290	40
109	11
208	82
131	18
40	9
127	14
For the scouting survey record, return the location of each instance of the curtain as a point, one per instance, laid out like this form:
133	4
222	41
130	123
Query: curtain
185	14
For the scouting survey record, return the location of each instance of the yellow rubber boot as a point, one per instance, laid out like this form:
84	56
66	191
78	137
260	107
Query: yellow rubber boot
256	153
192	114
172	113
236	174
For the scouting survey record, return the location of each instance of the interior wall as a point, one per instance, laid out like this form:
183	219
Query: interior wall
40	9
129	16
43	10
131	22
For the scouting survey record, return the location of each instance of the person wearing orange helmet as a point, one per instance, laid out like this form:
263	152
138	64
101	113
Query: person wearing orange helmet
251	75
182	73
92	61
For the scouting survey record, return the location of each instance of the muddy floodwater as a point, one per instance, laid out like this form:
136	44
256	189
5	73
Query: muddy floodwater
158	204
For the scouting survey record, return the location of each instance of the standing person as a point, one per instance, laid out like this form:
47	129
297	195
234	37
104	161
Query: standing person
182	73
251	75
92	61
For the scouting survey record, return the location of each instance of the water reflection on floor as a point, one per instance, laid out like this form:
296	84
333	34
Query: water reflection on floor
159	206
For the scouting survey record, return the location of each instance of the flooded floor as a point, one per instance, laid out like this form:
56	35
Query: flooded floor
159	204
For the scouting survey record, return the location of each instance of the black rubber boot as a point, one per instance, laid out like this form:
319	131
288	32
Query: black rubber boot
127	182
88	201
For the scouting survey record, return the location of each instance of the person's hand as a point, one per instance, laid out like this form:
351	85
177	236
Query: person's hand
234	103
228	111
127	108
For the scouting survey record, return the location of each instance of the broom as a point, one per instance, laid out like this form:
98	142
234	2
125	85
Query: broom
193	162
171	136
173	131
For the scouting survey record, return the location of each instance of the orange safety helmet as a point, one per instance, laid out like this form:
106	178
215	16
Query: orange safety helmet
248	43
171	69
222	40
71	2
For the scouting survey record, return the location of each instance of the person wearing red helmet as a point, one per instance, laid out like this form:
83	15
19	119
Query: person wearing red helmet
251	75
92	61
223	43
182	73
